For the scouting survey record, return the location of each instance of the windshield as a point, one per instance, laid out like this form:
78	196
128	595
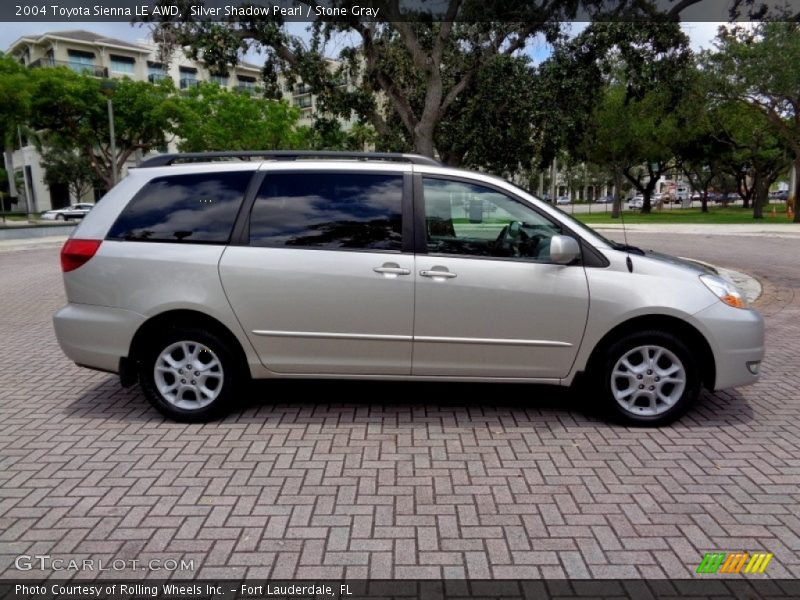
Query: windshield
573	221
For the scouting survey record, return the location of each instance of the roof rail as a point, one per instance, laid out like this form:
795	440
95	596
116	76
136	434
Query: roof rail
163	160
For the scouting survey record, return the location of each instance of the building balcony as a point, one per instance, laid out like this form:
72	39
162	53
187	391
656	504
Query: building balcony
187	82
92	70
156	77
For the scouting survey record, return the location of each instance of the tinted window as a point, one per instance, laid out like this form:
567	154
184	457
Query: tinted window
329	210
184	208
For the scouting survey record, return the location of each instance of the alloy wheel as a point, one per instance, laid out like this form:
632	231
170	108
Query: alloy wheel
648	380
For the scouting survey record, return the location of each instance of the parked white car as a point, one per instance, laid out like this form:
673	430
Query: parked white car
636	202
193	278
563	200
74	211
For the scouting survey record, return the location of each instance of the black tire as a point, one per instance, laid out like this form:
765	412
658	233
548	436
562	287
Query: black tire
668	413
209	346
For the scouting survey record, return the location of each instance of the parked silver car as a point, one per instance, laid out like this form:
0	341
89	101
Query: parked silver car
192	278
74	211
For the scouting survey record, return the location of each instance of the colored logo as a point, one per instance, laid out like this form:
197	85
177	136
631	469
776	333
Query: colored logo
737	562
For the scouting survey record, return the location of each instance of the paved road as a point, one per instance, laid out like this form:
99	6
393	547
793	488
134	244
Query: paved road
337	480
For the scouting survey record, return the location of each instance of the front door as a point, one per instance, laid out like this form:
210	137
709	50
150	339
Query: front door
324	285
488	301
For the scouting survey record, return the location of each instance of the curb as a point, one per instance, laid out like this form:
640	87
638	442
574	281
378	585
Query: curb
782	230
32	243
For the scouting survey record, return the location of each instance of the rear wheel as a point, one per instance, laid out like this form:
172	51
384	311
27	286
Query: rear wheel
649	378
190	375
61	217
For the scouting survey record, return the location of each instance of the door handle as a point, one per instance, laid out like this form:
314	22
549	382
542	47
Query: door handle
392	269
435	274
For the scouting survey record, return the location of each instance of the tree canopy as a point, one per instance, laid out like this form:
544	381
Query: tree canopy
757	66
414	75
70	112
210	117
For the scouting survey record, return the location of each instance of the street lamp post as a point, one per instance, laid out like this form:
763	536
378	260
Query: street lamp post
108	89
114	176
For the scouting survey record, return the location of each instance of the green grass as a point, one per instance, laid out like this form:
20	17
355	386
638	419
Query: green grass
715	214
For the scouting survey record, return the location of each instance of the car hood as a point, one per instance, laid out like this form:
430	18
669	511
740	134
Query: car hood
686	263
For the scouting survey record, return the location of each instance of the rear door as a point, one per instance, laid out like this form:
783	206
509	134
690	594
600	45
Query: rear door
322	276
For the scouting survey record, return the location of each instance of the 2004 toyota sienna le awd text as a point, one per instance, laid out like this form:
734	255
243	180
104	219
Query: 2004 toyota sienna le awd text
193	275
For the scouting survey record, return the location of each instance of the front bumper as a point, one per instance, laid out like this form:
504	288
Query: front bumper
96	336
736	337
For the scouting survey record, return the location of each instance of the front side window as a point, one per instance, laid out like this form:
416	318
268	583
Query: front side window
200	207
334	211
473	220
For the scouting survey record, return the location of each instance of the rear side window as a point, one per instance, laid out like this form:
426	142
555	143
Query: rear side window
200	207
335	211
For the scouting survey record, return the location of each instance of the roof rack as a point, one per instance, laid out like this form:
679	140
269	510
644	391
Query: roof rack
164	160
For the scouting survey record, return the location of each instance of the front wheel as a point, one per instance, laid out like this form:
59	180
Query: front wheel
189	375
649	378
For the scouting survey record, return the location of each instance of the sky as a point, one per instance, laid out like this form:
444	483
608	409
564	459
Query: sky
700	34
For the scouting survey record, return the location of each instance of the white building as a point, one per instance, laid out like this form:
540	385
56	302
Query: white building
100	56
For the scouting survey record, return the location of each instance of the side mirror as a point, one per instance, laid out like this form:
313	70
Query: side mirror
564	249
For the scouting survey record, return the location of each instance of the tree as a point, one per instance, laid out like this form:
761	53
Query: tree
601	144
210	117
758	67
629	82
492	125
414	67
327	133
751	151
69	168
702	147
15	97
70	113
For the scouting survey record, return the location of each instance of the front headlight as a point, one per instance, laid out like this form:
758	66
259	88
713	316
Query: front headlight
724	290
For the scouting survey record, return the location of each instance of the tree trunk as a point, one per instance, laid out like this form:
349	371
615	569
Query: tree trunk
758	205
741	184
615	206
704	202
647	204
423	140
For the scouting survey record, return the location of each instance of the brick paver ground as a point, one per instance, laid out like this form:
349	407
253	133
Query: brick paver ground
522	484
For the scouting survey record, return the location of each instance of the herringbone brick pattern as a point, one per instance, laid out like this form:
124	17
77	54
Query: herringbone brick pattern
341	480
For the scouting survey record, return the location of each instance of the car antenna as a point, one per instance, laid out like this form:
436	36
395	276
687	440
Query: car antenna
628	261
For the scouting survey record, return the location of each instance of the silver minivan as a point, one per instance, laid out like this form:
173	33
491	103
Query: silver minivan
199	272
